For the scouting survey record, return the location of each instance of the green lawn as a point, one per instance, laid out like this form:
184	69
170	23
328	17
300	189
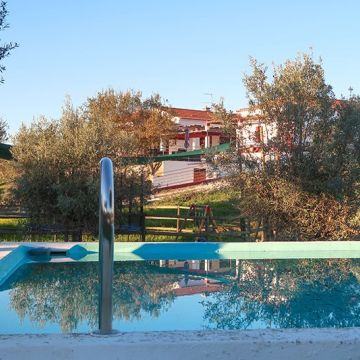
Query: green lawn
12	223
222	202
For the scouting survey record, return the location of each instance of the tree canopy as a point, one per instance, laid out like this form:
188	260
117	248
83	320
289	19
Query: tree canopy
147	120
58	164
305	181
67	294
3	130
5	48
304	293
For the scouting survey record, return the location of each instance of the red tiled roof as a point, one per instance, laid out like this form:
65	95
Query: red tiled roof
193	114
191	290
206	115
339	104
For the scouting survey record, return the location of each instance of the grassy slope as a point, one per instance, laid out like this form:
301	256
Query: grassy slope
221	200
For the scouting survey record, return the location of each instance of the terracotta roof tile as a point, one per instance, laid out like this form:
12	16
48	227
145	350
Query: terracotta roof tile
191	290
193	114
206	115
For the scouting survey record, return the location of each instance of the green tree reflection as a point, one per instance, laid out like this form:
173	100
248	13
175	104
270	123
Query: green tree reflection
266	293
67	294
288	294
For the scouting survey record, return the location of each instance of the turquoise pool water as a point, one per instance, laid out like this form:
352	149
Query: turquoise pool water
184	295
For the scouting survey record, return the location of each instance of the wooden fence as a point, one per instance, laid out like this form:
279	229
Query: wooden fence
196	222
12	213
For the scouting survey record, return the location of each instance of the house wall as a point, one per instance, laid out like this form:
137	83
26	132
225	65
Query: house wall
195	144
246	133
175	145
188	122
174	173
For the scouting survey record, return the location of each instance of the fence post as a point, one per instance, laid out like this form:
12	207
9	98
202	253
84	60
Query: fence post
243	229
178	219
207	227
142	227
130	205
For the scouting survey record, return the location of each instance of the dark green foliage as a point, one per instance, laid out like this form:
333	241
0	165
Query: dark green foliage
288	294
304	183
67	294
6	48
3	130
58	165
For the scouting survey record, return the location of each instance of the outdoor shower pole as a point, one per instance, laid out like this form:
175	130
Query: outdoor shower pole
106	245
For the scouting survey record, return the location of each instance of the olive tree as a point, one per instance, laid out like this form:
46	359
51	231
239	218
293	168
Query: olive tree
306	184
58	164
5	48
3	130
148	120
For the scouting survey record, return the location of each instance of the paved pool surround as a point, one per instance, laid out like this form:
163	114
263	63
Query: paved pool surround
290	344
329	344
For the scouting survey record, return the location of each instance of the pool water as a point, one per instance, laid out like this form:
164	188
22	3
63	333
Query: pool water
184	295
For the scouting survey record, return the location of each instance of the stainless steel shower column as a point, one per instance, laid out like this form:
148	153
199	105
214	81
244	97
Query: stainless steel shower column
106	245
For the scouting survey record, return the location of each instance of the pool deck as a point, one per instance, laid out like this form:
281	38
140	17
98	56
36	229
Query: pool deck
309	344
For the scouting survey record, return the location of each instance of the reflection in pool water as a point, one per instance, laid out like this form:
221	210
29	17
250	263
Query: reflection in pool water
180	295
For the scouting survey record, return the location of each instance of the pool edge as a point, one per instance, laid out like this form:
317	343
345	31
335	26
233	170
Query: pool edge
185	250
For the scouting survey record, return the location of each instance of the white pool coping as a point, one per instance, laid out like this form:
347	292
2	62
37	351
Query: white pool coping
329	344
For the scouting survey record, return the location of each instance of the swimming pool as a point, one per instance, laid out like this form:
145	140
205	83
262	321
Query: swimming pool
184	294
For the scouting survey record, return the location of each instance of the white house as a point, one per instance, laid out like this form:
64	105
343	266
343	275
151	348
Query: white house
252	132
197	130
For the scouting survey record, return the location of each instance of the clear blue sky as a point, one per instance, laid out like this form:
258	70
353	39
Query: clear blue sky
181	49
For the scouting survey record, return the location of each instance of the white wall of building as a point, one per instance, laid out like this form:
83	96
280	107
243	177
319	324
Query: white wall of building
175	145
194	144
246	133
189	122
174	173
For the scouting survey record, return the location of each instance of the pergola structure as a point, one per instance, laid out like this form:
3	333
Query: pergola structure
5	152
